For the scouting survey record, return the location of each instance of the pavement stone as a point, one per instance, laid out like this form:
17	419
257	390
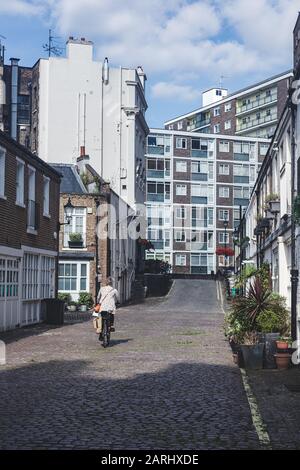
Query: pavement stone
166	382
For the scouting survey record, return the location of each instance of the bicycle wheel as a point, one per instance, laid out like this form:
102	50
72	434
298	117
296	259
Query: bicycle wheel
105	334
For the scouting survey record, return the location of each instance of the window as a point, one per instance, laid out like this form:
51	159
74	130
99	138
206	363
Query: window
216	128
180	212
199	167
47	277
224	238
241	192
223	169
218	92
223	191
203	190
199	144
154	141
217	111
224	214
155	164
181	167
31	205
180	236
180	143
180	260
223	146
181	190
180	125
77	225
171	127
155	188
227	107
2	172
227	125
9	278
241	170
263	148
67	277
46	198
30	276
20	182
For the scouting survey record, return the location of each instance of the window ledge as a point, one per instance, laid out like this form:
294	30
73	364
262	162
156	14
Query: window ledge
3	197
20	204
48	216
32	231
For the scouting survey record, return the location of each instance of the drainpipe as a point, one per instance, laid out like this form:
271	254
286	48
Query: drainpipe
294	271
14	97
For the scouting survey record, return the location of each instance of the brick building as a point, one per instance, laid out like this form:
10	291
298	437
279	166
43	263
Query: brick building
84	265
29	203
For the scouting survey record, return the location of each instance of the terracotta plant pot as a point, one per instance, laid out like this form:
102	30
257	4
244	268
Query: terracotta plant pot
282	344
282	360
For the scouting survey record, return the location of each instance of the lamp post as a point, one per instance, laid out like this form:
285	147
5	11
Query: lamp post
225	228
68	212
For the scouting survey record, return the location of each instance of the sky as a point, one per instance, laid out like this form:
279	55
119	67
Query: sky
184	46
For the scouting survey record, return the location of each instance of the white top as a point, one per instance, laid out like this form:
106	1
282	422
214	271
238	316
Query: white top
107	297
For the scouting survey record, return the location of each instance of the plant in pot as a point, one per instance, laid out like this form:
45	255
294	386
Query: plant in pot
65	297
271	324
72	307
273	203
85	301
252	350
254	307
75	240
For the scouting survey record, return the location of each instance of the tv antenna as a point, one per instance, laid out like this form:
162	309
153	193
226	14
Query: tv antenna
2	49
222	77
52	47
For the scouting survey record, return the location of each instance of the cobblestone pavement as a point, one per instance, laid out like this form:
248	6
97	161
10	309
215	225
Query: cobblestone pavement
278	397
166	382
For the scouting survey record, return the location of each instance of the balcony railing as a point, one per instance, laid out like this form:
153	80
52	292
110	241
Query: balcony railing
159	150
256	122
199	153
198	124
199	176
155	173
32	215
241	179
256	103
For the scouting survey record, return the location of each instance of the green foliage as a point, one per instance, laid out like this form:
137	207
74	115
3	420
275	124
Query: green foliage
85	298
85	179
272	197
296	210
75	237
264	274
248	271
156	266
259	310
65	296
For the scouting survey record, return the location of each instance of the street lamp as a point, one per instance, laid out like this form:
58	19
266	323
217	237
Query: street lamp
225	223
235	242
68	211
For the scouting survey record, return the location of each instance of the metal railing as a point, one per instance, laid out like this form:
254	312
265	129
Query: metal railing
256	122
256	103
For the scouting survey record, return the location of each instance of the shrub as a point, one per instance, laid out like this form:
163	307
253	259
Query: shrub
65	296
85	298
156	266
75	237
270	321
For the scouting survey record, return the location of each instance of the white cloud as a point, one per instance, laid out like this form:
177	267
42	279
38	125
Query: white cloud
165	90
21	7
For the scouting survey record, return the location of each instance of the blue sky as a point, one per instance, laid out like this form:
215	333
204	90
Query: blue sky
183	45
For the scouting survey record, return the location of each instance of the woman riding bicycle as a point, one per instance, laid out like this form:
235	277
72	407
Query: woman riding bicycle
108	297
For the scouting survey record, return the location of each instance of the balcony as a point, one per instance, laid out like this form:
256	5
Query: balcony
158	244
199	176
240	202
32	215
256	104
241	157
155	174
198	200
159	150
155	197
199	153
198	124
241	179
256	122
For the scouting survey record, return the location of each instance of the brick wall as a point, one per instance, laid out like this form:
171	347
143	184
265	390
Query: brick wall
14	218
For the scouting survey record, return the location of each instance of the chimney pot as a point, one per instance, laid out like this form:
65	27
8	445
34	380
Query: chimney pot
82	150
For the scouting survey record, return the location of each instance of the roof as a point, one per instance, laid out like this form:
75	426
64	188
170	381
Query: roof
71	182
231	96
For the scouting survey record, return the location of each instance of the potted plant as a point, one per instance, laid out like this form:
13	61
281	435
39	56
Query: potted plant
272	200
252	350
65	297
72	307
85	301
75	240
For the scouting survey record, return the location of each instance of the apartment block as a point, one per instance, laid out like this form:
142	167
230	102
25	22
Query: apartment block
196	185
253	111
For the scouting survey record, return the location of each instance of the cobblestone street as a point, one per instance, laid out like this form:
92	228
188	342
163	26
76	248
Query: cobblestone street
166	382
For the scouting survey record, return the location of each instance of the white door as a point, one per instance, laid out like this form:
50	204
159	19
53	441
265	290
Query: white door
9	293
